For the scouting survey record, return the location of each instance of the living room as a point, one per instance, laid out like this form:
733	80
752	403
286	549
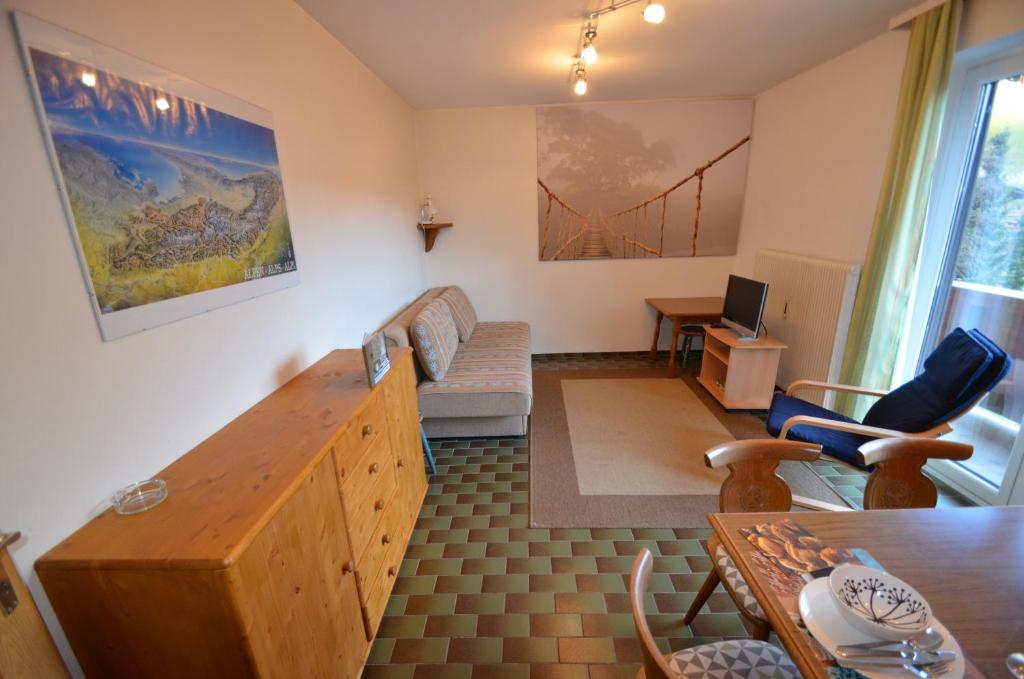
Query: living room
416	145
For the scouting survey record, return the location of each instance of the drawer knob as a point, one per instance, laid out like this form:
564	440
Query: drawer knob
392	571
367	429
374	468
386	540
348	567
401	463
378	505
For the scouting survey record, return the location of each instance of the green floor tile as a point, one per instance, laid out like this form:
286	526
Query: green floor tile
506	583
573	564
611	533
605	582
681	547
415	584
439	567
534	565
396	604
450	626
402	627
562	582
380	652
469	550
419	651
570	534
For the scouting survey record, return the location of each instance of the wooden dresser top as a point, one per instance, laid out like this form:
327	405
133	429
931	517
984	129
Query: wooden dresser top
223	491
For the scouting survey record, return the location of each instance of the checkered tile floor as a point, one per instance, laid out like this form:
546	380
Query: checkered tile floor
482	595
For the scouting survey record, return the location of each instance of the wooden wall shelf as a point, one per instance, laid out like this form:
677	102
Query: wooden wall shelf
430	232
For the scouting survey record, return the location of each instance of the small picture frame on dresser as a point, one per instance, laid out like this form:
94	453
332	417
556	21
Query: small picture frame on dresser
375	355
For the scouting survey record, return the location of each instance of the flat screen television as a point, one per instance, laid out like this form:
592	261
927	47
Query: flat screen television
744	306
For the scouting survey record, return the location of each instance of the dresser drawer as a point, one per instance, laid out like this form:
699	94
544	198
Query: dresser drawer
387	537
365	428
376	599
367	494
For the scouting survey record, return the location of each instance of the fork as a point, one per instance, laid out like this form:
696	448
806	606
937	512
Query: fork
920	670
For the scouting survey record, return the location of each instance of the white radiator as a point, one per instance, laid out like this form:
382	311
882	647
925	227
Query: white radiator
809	305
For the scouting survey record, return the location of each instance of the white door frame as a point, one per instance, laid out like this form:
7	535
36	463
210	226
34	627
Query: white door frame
971	70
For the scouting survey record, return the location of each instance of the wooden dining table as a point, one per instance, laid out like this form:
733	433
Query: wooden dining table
968	563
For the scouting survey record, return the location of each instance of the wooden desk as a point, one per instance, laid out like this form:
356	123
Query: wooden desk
965	562
682	310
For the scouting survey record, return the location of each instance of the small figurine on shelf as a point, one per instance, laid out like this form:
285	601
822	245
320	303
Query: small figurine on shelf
427	211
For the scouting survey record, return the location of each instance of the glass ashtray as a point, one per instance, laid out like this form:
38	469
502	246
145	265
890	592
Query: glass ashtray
138	497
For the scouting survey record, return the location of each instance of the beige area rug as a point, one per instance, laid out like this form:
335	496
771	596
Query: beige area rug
641	436
625	449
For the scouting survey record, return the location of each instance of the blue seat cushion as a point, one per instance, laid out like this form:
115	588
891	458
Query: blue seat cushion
838	444
952	374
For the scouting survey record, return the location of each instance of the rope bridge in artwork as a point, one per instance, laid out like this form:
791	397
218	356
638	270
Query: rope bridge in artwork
626	233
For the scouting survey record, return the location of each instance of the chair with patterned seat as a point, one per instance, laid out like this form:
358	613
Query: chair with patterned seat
753	485
733	659
964	367
896	482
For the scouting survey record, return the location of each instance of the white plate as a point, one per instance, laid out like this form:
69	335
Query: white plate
826	624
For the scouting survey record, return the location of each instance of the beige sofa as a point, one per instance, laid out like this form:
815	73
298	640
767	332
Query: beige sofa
488	388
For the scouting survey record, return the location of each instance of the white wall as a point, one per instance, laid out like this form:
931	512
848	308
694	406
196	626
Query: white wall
819	151
480	166
82	417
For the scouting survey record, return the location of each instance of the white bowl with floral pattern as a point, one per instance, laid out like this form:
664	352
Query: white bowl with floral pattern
878	604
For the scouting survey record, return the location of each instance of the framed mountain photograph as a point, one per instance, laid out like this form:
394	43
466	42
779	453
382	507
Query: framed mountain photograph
172	189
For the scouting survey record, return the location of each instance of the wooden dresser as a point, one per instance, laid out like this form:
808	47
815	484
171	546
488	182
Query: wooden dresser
276	549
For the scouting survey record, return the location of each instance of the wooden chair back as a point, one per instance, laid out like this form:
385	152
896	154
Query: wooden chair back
897	481
753	484
655	664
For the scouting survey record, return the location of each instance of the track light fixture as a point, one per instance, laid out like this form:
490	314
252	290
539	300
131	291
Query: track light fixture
654	13
589	52
580	85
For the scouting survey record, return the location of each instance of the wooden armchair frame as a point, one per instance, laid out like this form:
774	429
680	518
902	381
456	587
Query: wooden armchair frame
856	427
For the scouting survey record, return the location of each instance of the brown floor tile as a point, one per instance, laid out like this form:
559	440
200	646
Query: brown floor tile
501	671
628	671
530	602
579	602
586	650
556	625
503	625
474	651
443	671
559	671
527	650
627	650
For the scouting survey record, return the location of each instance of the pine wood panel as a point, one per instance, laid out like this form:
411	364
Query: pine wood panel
300	612
361	432
227	488
389	531
149	623
965	562
26	649
404	430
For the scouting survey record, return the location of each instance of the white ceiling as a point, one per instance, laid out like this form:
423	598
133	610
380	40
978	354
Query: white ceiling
455	53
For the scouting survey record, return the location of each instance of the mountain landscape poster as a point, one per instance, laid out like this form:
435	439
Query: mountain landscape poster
641	180
173	190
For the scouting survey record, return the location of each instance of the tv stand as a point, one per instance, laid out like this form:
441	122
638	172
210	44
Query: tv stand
739	372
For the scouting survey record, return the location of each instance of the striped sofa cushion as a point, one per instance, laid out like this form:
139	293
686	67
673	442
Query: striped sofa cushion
462	311
435	338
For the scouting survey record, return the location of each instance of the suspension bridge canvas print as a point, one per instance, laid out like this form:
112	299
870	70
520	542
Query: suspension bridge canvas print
173	190
641	180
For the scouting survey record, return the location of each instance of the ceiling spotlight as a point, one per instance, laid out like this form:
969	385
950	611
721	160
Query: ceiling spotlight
654	12
589	53
162	104
89	79
580	86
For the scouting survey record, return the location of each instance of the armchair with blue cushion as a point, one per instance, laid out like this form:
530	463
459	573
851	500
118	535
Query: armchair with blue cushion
963	368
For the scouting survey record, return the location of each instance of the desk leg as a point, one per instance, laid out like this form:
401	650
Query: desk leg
677	323
657	331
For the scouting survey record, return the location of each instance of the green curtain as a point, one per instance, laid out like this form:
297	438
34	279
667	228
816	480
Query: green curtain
883	295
